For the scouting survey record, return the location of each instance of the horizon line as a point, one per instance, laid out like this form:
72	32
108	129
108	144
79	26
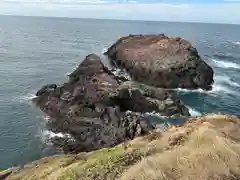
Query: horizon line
117	19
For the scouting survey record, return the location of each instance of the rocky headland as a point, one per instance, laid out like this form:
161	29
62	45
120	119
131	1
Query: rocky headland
102	115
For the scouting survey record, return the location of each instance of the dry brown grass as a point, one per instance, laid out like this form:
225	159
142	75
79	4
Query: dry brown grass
205	148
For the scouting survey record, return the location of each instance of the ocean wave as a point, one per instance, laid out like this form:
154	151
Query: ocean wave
225	64
219	88
27	98
236	43
47	135
225	79
194	112
222	84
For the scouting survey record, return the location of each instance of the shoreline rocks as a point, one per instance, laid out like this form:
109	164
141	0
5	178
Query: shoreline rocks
161	61
98	110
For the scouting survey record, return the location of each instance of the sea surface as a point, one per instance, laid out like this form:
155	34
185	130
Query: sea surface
37	51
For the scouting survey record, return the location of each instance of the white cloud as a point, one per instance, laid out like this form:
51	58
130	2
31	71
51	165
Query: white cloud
225	13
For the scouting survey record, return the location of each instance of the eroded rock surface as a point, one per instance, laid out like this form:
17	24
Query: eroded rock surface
161	61
97	109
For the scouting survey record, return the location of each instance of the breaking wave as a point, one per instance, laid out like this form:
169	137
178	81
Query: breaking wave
236	43
47	135
194	112
222	84
225	64
227	80
26	98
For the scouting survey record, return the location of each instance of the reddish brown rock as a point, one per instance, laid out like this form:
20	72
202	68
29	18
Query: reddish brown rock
161	61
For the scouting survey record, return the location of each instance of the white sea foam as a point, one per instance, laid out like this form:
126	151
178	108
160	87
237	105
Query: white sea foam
50	134
225	64
27	98
190	90
194	112
237	42
225	79
155	114
47	135
104	50
219	88
222	84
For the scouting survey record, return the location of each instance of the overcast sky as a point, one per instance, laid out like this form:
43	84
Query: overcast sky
223	11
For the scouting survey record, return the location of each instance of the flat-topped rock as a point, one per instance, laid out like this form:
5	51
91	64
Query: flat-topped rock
161	61
97	110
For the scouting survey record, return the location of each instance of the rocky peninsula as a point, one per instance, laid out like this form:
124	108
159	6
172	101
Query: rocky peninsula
102	117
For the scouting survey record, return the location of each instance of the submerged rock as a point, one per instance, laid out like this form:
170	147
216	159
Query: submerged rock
161	61
94	107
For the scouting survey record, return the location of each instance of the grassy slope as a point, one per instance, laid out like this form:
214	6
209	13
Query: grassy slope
204	148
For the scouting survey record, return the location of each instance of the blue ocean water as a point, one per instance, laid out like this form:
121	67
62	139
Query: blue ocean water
36	51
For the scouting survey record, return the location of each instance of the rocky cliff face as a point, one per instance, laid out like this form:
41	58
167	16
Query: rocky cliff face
161	61
98	110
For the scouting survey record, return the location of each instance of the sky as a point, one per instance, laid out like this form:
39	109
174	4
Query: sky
213	11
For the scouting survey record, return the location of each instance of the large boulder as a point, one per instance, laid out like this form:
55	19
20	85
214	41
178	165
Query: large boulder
161	61
98	110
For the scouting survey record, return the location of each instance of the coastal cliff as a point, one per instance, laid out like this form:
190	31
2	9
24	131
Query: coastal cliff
203	148
106	134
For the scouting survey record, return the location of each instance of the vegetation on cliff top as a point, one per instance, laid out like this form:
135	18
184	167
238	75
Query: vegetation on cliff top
204	148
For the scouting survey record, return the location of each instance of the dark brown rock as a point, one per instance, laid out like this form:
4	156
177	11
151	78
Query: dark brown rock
143	98
161	61
94	108
48	87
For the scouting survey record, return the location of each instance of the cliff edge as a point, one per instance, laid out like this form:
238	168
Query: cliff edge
203	148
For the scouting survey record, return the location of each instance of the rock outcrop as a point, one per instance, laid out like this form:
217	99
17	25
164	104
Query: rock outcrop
97	110
161	61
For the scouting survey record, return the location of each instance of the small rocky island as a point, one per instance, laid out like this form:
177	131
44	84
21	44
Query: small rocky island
99	111
161	61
